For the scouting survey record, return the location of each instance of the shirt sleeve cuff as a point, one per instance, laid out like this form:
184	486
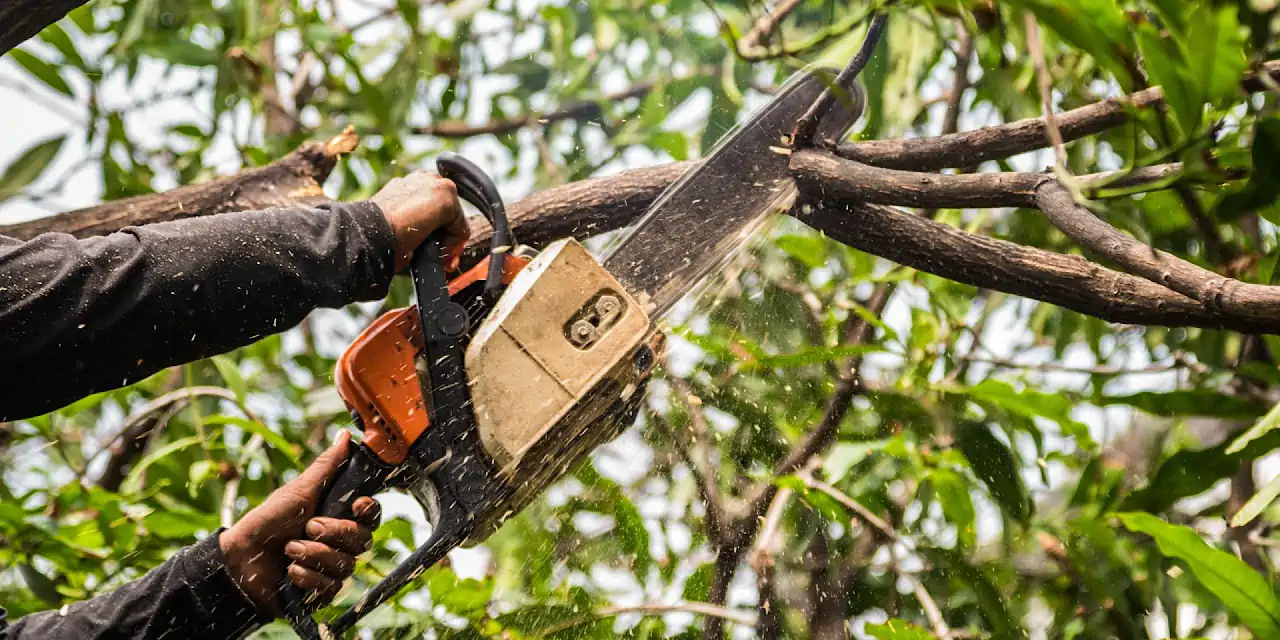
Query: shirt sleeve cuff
372	275
233	613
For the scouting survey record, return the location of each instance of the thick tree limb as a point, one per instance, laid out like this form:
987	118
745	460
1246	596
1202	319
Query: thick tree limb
971	148
294	179
1219	294
23	19
1067	281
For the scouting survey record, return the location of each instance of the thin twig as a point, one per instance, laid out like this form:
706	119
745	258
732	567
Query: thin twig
761	32
232	491
849	503
931	609
696	454
1036	46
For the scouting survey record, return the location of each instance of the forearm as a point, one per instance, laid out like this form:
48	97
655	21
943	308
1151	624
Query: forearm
191	596
83	316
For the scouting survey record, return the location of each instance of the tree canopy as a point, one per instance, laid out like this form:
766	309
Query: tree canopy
1007	370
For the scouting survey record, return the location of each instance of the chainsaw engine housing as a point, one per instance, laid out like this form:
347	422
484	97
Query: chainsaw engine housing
556	369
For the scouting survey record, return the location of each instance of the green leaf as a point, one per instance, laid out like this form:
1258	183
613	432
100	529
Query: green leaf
57	37
1030	403
845	456
133	481
1192	472
991	601
1098	28
808	356
197	474
181	52
631	532
1197	402
44	71
810	250
1261	428
276	440
896	629
1246	593
1214	52
820	501
533	76
178	526
995	465
1260	501
467	598
952	492
673	142
40	585
1263	186
230	372
1165	66
698	587
607	32
136	25
395	529
29	166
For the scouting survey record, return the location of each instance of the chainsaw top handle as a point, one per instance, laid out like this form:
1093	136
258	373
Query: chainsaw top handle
476	187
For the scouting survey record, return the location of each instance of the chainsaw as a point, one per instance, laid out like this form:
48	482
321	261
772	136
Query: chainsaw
500	380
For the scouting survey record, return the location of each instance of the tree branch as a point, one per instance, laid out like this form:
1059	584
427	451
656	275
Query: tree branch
756	40
971	190
971	148
694	449
131	441
293	180
1219	294
1067	281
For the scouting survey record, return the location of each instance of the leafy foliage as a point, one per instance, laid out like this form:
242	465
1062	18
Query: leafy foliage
994	439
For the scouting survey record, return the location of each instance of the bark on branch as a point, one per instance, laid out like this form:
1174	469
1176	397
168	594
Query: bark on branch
971	190
1219	294
1066	281
290	181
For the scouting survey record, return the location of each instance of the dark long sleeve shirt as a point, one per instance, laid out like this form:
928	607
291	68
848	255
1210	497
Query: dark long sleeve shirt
83	316
189	597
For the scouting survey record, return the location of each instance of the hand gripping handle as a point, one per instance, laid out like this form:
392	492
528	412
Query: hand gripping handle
476	187
361	474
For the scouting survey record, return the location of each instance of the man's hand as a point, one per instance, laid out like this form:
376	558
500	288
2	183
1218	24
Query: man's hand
259	547
418	204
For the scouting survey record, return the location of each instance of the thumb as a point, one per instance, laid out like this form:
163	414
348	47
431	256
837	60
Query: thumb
323	469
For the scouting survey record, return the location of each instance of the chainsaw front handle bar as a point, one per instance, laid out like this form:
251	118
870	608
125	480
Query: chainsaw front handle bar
476	187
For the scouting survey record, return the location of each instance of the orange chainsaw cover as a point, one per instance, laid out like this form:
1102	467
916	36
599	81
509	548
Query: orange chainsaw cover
377	376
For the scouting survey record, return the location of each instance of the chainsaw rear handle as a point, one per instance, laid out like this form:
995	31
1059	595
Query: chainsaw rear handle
361	474
476	187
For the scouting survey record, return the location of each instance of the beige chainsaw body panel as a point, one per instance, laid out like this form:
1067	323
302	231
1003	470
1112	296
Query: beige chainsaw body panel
562	329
